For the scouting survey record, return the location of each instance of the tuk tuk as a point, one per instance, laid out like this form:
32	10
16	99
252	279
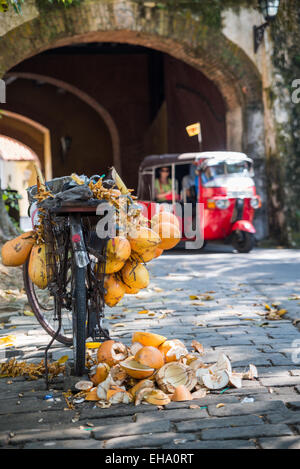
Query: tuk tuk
220	184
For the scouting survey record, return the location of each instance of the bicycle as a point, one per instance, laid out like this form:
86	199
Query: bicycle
75	267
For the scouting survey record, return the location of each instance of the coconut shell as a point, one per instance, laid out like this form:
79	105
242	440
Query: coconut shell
111	352
181	394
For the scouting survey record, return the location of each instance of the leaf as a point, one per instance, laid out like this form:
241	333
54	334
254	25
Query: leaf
281	312
8	340
118	324
63	359
157	289
267	307
144	311
195	297
220	405
28	313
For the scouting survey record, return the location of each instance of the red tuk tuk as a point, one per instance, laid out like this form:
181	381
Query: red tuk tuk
219	183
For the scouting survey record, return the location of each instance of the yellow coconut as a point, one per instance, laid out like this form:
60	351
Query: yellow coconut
169	233
115	290
113	265
143	239
16	251
118	248
135	275
130	290
147	255
37	267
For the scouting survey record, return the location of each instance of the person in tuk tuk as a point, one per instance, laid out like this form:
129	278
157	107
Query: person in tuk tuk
163	185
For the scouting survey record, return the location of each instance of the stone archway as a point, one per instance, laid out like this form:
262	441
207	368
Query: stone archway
103	113
185	37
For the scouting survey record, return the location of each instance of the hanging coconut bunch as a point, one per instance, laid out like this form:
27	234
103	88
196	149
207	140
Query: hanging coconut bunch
157	370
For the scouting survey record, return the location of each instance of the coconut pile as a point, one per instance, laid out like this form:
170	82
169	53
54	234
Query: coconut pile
155	370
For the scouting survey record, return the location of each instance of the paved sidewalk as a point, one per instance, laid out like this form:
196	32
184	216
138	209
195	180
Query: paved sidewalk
228	317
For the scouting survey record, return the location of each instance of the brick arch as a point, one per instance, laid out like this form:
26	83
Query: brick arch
100	110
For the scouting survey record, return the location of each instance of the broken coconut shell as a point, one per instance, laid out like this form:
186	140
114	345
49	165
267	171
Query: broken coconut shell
173	374
148	338
173	350
181	394
217	380
99	373
84	385
150	357
117	395
135	369
111	352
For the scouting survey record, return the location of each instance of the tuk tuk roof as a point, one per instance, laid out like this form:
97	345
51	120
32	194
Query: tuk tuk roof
171	158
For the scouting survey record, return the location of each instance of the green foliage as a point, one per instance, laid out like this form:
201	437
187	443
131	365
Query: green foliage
5	5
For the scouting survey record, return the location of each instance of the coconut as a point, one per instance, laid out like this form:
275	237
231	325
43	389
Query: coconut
252	373
235	380
135	369
148	338
117	395
16	251
173	350
134	348
169	234
135	275
112	266
150	356
118	374
111	352
173	374
144	383
92	395
181	394
217	380
115	290
157	397
37	267
84	385
103	387
99	373
223	363
118	249
146	256
131	290
142	238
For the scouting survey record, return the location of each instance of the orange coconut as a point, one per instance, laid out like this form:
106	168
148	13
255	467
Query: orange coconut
16	251
99	373
172	350
115	290
118	248
142	238
135	275
37	267
169	234
135	369
92	395
150	356
181	394
111	352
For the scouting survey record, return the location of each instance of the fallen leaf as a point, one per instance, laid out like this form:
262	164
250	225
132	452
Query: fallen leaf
118	324
157	289
267	307
28	313
220	405
63	359
194	297
144	311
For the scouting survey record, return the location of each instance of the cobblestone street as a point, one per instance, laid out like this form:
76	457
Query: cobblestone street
228	315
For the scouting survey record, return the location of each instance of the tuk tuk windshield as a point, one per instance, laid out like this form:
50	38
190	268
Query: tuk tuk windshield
226	168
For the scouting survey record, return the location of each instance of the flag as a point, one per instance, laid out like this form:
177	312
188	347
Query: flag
193	129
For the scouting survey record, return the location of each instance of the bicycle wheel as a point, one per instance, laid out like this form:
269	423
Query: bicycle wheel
42	305
79	308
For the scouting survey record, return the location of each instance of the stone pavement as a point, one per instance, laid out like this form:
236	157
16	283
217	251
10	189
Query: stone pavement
228	316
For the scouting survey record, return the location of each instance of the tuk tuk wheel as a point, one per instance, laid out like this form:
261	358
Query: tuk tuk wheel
243	241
